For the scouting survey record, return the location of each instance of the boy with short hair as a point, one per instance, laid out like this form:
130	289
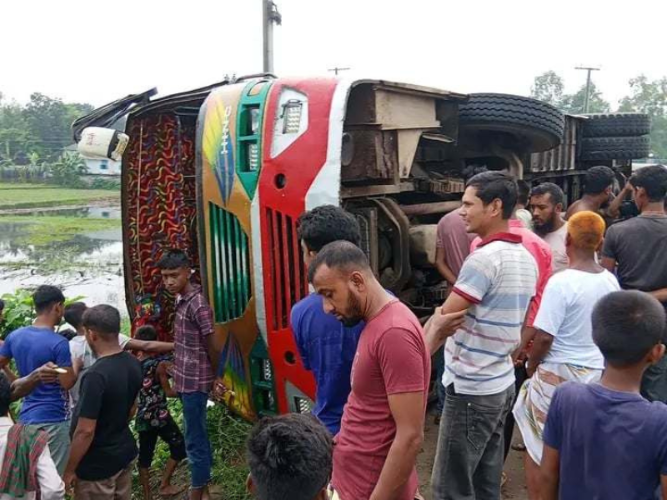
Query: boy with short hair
604	440
195	363
153	417
103	447
290	458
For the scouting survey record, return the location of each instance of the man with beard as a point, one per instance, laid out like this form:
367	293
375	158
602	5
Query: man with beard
383	422
597	189
546	201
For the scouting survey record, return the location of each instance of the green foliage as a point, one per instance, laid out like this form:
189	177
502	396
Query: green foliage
574	103
549	87
44	195
106	184
19	310
67	170
42	126
650	97
228	435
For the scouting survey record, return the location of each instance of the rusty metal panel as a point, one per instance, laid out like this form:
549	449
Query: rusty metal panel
562	158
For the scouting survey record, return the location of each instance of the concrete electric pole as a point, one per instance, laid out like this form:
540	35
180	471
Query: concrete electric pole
337	69
270	16
587	97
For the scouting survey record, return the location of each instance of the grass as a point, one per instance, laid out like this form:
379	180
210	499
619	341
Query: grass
44	230
13	196
228	435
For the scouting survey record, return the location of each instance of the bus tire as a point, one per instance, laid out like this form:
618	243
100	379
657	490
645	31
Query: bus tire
538	125
615	148
616	125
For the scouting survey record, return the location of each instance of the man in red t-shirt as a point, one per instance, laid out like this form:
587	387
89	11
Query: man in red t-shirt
382	427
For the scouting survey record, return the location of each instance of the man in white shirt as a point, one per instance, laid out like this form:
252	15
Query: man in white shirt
83	356
563	348
546	202
18	443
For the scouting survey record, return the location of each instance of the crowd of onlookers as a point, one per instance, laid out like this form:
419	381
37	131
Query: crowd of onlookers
80	390
554	324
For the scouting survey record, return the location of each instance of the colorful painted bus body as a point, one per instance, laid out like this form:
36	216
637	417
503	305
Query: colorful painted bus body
224	172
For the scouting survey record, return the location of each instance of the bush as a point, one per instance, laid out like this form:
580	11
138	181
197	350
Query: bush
67	170
107	184
19	310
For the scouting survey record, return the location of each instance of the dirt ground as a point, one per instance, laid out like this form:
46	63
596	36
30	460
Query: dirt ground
514	489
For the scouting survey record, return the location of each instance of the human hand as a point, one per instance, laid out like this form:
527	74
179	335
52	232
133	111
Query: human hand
219	391
448	323
69	479
531	367
47	373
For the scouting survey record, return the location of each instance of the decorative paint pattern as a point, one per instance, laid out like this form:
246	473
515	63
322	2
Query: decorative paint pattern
234	375
225	228
159	212
217	146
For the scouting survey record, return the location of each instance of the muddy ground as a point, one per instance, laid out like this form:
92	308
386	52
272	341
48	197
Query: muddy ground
514	489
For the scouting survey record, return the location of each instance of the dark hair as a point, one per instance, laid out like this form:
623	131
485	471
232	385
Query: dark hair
496	186
146	332
598	179
2	305
5	394
46	296
325	224
103	319
174	258
627	325
74	313
290	457
654	181
338	254
553	190
523	192
68	333
472	170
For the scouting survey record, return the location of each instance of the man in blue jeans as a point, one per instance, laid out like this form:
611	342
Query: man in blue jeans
194	364
47	406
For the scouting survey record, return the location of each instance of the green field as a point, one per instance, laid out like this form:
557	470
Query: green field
44	230
13	196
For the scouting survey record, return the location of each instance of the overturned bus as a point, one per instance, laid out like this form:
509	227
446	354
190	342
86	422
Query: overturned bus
224	172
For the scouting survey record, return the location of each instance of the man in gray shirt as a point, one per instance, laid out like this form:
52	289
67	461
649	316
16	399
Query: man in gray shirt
635	250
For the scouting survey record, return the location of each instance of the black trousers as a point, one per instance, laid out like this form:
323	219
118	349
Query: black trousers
521	376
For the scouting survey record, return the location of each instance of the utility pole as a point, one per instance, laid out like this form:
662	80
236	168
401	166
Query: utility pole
337	69
270	15
587	97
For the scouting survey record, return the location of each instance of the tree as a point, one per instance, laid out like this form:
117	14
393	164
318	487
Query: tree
47	120
650	97
574	103
548	87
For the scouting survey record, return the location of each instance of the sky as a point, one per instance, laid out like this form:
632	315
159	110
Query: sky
93	51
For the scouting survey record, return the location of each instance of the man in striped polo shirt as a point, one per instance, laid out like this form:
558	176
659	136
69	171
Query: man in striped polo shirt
495	286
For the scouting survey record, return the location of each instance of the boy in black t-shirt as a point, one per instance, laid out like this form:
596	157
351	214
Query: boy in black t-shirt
103	448
153	417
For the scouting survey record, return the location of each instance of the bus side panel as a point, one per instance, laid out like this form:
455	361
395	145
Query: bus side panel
295	151
225	225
